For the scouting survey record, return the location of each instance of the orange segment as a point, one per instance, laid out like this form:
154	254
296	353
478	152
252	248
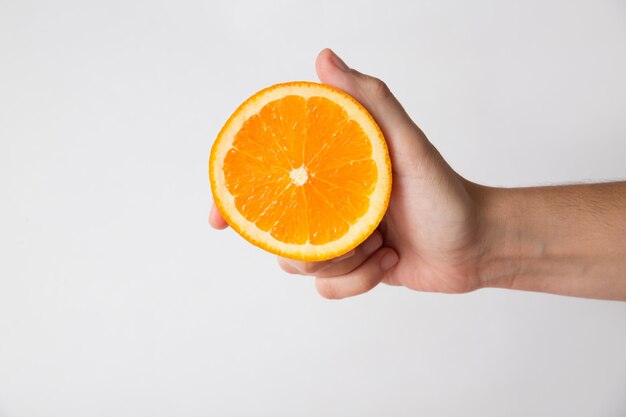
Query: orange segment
324	119
301	170
285	123
290	215
325	223
358	177
256	140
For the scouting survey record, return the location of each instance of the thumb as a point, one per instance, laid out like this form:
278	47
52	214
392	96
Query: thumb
405	140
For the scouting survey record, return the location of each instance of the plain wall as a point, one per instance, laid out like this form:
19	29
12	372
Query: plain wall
116	298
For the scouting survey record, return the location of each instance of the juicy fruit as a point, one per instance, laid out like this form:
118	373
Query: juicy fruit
301	170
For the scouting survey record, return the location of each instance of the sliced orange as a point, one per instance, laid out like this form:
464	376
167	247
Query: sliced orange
301	170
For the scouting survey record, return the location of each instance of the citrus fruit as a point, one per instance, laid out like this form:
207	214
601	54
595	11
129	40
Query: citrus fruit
301	170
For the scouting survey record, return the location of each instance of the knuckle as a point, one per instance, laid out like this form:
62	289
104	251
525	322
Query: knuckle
362	286
309	267
371	244
326	289
299	267
379	88
286	266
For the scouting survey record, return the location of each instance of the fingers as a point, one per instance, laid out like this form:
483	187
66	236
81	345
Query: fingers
351	274
338	266
404	138
361	280
216	220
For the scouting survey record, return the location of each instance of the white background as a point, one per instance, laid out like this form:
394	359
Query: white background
117	299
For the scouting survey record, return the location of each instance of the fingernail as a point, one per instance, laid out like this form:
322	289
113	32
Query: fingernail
344	256
388	261
338	61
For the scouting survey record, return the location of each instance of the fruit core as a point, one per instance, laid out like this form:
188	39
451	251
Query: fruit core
299	176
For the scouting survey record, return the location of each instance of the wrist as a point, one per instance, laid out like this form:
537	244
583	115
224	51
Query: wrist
501	244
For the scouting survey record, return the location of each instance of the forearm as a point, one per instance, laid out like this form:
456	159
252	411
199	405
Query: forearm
567	240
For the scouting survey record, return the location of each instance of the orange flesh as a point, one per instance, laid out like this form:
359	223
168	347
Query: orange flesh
262	170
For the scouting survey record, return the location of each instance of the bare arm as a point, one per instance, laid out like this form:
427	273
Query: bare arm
568	240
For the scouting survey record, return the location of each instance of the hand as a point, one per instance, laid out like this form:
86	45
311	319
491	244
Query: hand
430	237
443	233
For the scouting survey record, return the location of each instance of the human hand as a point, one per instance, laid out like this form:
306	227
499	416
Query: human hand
430	237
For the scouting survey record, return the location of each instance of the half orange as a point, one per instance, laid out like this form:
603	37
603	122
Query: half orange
301	170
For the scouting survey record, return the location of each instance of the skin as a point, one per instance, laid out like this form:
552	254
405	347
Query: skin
443	233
